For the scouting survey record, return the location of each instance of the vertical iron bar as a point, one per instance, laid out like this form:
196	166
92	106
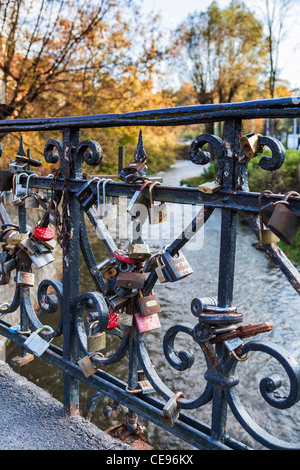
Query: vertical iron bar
71	138
121	161
232	133
24	291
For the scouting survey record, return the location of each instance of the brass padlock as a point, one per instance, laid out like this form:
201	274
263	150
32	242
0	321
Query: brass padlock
157	213
265	235
25	279
283	222
209	187
251	146
139	251
95	341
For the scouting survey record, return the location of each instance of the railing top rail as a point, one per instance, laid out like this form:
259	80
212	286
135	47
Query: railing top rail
257	109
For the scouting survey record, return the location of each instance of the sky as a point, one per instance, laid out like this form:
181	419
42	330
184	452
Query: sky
174	11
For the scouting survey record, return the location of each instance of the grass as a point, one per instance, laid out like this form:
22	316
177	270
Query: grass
279	182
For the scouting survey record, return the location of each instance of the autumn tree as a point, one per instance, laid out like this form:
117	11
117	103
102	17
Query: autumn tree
65	57
224	50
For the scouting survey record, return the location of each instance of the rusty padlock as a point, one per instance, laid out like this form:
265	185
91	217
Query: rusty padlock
283	222
265	235
148	304
171	410
131	280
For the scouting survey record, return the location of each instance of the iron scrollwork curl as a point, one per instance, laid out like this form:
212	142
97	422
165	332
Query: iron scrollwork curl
49	303
278	153
49	154
93	157
268	387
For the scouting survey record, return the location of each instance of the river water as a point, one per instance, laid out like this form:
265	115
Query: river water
261	292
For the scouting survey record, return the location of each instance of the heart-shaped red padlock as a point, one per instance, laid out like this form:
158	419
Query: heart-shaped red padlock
122	255
43	233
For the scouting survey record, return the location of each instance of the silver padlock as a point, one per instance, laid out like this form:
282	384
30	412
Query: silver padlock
31	201
105	210
171	410
36	344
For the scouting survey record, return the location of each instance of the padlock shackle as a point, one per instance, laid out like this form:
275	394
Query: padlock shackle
106	180
156	183
266	191
100	180
27	182
16	179
289	194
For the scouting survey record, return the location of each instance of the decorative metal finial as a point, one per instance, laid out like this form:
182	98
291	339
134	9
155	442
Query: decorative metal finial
140	152
21	152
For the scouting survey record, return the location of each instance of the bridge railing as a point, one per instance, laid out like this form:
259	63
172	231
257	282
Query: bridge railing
122	301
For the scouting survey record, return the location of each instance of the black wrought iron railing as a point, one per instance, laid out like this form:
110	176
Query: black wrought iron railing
122	301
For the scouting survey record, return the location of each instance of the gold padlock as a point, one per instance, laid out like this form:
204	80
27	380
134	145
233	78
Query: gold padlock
139	251
95	341
209	187
251	146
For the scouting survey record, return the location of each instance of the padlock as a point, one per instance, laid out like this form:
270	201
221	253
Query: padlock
95	341
28	246
25	279
148	323
171	410
176	267
265	235
138	205
36	344
43	233
86	196
139	251
106	264
125	319
117	303
158	213
7	197
131	280
105	210
41	259
160	271
18	189
30	201
283	222
6	180
149	304
133	172
251	146
209	187
86	366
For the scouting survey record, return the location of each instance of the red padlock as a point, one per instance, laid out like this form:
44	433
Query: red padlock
122	255
149	323
113	321
43	233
